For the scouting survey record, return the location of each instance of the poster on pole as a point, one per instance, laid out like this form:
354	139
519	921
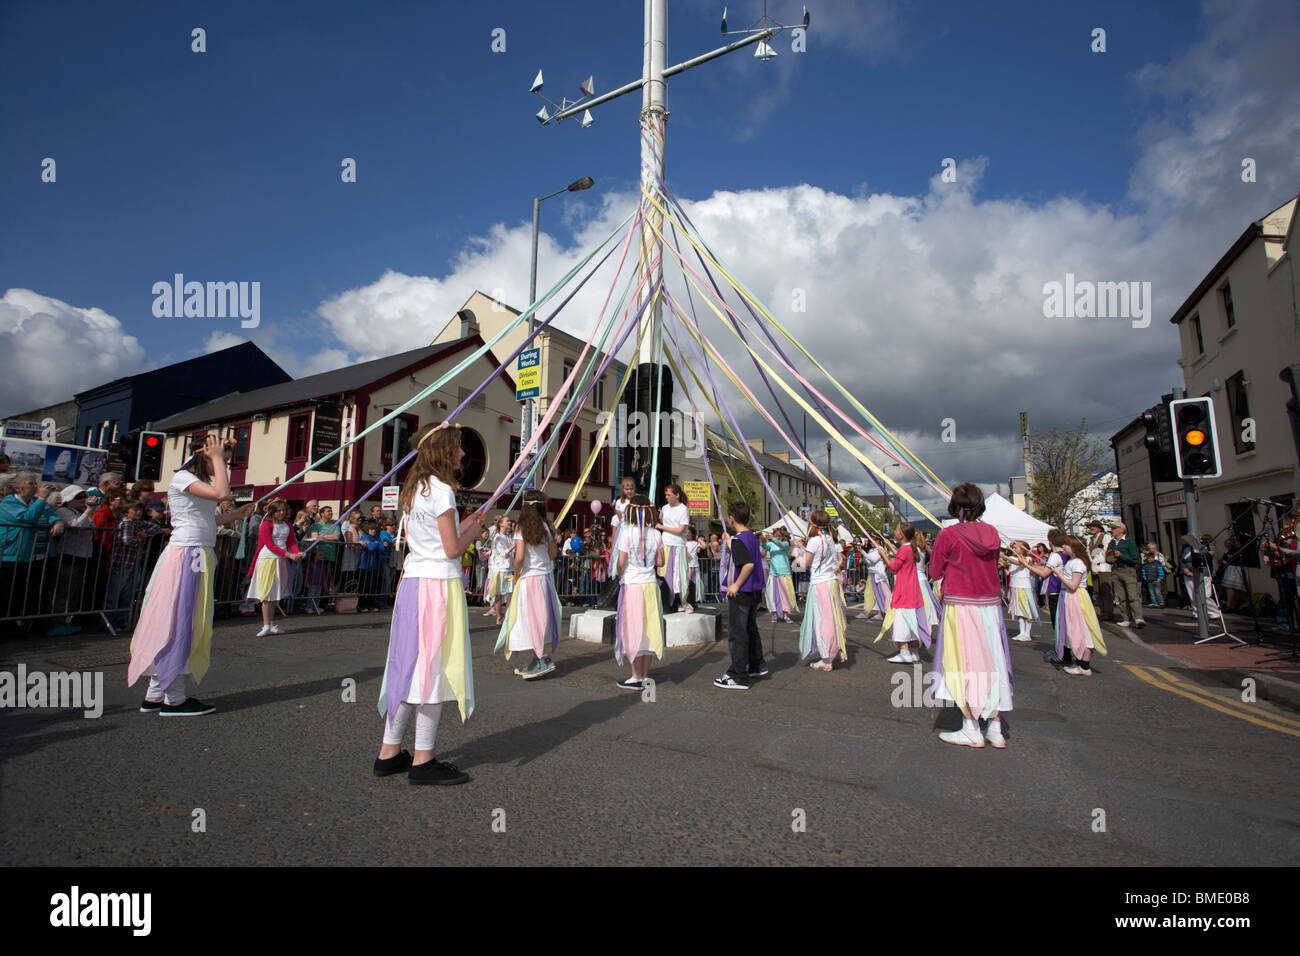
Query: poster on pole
698	497
389	498
528	375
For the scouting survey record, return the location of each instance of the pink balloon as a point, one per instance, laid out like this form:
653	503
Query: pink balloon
595	507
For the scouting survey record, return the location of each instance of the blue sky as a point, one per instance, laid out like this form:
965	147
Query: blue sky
225	165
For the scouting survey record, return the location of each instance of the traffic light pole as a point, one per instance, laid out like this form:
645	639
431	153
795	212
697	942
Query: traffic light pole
1198	576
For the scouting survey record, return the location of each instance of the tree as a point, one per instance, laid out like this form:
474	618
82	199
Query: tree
746	487
880	518
1064	462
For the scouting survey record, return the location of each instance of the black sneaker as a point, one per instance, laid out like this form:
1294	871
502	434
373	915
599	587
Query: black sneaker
148	706
392	765
189	707
632	684
436	773
727	682
761	672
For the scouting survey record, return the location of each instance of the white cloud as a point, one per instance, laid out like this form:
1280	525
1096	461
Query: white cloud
930	306
218	341
43	338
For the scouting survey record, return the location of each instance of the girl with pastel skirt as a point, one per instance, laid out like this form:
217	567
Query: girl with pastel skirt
1076	620
639	626
696	592
821	634
876	600
617	523
533	617
501	579
271	573
780	582
921	548
174	635
971	657
674	519
1022	600
428	661
906	606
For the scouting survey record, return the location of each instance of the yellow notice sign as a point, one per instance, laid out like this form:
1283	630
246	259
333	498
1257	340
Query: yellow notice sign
698	496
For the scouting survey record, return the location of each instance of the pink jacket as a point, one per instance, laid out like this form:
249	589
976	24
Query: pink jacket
965	557
907	586
264	540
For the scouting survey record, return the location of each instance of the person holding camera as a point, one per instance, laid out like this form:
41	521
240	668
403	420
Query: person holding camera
1189	560
1098	544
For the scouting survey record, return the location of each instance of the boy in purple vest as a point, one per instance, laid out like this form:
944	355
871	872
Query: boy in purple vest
742	603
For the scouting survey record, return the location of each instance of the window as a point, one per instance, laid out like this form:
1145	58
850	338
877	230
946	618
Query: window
1229	313
90	436
243	438
600	471
299	437
1200	339
599	394
570	461
568	368
474	466
393	445
1239	411
516	445
1242	517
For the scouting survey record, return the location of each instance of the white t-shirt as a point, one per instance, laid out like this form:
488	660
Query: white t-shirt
1054	560
825	563
1075	566
637	572
424	555
194	520
876	562
1019	577
620	507
537	557
503	553
279	537
673	516
692	554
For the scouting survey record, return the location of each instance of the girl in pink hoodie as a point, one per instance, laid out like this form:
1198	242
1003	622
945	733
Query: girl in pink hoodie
971	655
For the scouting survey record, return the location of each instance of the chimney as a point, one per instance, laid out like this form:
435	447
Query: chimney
783	455
756	444
468	322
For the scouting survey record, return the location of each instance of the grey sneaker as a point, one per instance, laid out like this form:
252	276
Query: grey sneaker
538	668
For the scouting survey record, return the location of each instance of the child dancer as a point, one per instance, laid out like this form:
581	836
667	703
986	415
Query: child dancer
906	607
1076	620
780	583
876	601
674	519
639	626
922	554
501	580
627	489
971	657
270	572
1023	604
174	634
696	592
534	612
743	640
428	660
821	634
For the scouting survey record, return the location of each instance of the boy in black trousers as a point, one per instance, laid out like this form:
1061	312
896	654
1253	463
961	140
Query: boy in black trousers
742	603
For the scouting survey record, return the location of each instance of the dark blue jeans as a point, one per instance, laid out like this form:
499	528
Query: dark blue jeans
742	636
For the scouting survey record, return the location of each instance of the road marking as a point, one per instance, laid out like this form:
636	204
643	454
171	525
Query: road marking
1212	704
1229	701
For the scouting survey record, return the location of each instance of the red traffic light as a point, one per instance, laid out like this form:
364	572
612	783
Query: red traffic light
151	441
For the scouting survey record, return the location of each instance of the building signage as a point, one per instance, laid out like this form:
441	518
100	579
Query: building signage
326	435
528	375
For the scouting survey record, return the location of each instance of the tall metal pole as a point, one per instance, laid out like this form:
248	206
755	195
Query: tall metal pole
1198	578
526	427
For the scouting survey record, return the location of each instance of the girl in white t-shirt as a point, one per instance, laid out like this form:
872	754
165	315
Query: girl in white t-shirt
1076	620
674	519
501	578
533	617
174	634
639	626
270	573
693	567
1021	600
428	659
627	487
876	600
821	634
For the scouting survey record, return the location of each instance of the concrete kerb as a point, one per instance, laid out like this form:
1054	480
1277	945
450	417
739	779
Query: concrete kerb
1276	690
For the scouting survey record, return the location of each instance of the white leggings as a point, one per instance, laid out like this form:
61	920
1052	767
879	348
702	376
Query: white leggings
426	725
174	694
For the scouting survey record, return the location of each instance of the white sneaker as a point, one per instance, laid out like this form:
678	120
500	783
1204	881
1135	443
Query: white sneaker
687	609
897	659
1073	669
994	736
1124	623
962	739
275	629
265	631
1022	638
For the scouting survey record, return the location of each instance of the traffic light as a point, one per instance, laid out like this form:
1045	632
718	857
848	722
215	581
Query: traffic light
1196	442
125	450
1160	443
148	462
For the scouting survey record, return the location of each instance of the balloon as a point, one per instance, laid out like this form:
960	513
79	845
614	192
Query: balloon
595	507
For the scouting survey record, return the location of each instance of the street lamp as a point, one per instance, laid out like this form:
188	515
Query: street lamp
586	182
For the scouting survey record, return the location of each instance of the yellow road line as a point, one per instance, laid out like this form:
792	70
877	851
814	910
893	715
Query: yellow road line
1142	675
1229	701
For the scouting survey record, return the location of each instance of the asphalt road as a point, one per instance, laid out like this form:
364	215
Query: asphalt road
1134	766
